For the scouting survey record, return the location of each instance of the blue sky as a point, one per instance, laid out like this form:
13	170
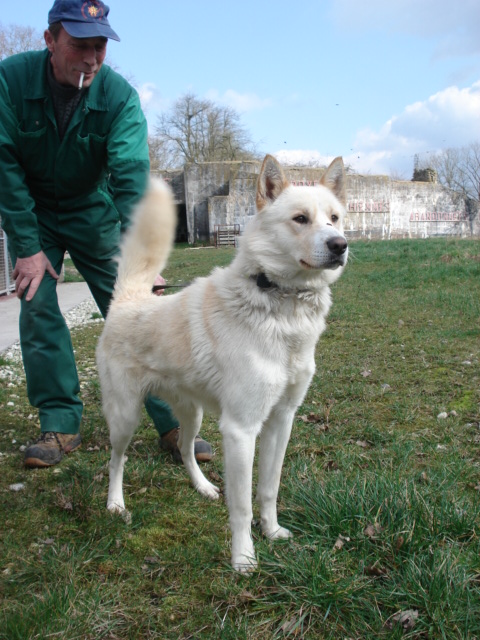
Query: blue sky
375	82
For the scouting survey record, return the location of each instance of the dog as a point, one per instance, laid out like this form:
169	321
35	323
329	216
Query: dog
239	342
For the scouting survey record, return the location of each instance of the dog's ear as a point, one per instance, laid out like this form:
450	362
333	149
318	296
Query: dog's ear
271	182
334	179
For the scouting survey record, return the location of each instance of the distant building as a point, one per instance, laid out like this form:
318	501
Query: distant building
222	194
216	194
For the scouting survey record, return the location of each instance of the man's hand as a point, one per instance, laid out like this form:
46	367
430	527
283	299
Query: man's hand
29	272
159	280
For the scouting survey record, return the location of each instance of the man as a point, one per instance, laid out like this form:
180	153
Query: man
74	161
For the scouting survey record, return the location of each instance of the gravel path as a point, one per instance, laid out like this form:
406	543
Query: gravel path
81	314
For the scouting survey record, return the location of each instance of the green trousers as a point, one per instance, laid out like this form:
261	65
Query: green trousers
48	356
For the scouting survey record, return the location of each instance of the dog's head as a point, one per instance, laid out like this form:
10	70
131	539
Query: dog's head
301	228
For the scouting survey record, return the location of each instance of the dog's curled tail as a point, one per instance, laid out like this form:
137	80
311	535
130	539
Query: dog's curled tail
147	243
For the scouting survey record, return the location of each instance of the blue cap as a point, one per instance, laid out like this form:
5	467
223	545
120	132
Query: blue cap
83	18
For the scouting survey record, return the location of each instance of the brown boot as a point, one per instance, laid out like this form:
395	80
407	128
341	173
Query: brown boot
50	448
169	440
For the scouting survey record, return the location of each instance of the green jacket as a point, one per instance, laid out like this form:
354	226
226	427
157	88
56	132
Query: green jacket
102	161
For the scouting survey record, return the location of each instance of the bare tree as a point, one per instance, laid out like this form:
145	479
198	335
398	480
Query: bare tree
16	39
160	154
196	130
458	169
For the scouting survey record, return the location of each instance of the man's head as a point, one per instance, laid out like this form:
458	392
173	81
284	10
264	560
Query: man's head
77	39
82	18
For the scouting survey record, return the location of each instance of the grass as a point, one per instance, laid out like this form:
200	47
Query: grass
382	494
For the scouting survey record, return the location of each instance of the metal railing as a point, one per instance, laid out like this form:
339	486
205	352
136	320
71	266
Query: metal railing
7	285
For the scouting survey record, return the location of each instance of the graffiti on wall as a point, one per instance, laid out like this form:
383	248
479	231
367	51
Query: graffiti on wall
438	216
360	206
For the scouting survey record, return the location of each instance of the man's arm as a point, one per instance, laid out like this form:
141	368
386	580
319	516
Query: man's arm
128	159
16	204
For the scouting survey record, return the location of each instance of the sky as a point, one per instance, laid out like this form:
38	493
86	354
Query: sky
375	82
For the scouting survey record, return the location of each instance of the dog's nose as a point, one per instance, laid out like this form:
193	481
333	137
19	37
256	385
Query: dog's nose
337	245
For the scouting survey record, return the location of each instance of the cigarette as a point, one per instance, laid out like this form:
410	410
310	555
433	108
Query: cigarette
80	82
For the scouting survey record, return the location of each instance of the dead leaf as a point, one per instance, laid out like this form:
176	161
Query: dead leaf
399	542
246	596
375	571
288	627
311	417
404	619
331	465
213	475
362	443
423	478
366	373
340	543
373	530
63	502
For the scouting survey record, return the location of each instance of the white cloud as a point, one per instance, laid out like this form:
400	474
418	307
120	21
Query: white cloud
449	118
151	98
241	102
307	157
152	103
454	24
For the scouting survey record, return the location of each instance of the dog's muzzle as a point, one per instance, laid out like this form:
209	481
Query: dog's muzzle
337	247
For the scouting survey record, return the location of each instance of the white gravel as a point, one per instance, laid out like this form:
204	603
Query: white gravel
79	315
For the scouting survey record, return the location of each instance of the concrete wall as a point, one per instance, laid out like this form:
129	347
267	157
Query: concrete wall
223	193
218	193
378	207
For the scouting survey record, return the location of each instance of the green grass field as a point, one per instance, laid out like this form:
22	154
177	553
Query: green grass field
383	495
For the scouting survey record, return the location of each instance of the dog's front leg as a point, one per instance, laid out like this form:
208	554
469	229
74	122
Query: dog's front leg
273	444
238	451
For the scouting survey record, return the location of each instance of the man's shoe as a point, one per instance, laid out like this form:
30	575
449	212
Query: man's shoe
50	448
169	440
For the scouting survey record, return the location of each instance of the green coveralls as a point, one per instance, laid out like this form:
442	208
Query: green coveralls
73	195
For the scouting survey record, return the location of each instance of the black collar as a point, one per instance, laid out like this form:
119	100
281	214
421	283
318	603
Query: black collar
263	282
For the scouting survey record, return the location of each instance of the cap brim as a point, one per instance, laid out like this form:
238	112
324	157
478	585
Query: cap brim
89	30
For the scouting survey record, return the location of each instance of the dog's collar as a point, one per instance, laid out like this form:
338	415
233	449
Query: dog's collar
263	282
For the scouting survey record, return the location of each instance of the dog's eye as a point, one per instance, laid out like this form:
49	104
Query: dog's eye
334	218
301	219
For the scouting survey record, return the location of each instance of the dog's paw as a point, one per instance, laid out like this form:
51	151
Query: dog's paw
121	511
244	564
115	507
280	533
208	490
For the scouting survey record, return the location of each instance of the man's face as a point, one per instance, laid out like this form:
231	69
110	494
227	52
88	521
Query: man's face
73	56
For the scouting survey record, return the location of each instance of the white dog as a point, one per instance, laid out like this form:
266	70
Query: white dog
239	342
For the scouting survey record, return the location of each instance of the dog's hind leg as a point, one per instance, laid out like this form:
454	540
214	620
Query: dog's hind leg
238	452
123	416
190	418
